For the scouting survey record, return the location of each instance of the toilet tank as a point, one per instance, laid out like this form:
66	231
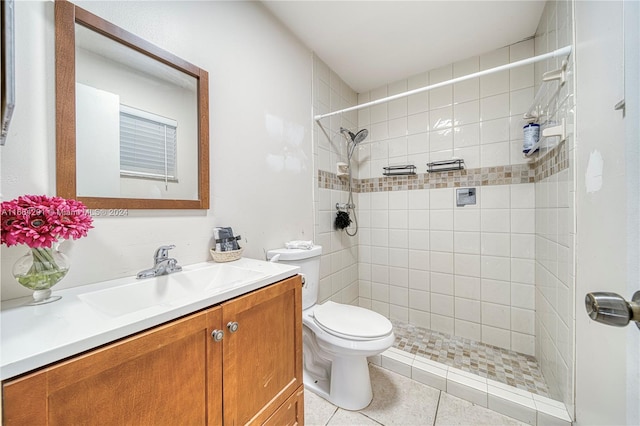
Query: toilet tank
309	263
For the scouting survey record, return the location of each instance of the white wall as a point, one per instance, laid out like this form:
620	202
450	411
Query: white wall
261	156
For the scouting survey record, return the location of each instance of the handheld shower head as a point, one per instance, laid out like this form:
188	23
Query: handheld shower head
360	136
352	141
356	138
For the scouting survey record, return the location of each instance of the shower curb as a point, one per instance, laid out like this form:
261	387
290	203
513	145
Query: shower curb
519	404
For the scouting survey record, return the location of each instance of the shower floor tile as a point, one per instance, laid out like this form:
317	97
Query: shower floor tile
512	368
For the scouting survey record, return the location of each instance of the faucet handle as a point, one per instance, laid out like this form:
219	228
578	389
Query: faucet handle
162	252
173	266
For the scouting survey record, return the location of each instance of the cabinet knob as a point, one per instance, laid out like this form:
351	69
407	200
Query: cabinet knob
232	326
217	335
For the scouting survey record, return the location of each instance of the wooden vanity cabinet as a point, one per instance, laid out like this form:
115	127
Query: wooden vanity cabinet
177	373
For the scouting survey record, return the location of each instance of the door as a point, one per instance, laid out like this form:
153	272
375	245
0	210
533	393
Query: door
607	207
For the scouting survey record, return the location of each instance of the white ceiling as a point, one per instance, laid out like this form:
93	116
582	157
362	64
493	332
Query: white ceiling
373	43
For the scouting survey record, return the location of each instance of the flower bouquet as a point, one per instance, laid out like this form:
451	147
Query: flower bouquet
39	222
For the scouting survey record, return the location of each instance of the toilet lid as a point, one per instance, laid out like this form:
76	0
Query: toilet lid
351	321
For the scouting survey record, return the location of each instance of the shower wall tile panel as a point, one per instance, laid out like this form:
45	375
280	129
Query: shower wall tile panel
452	269
483	253
554	272
339	268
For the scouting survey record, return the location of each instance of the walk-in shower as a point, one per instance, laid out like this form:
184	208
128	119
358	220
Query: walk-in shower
482	289
353	139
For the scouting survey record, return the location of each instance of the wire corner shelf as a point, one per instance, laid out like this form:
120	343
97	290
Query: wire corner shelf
406	170
445	165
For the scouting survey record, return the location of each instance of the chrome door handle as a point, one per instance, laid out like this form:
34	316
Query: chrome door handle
232	326
613	309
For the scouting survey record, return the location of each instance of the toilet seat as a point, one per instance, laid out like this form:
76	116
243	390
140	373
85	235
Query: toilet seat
351	322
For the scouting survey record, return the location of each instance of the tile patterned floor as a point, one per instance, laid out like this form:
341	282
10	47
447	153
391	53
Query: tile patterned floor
512	368
398	400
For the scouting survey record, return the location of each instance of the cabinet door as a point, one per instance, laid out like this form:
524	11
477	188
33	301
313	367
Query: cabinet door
263	358
156	377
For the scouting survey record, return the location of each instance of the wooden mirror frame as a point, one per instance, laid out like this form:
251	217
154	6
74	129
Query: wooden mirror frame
66	16
7	67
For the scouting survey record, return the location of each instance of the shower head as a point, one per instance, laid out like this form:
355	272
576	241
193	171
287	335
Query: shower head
356	138
360	136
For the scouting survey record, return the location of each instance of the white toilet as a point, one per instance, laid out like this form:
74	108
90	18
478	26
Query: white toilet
337	338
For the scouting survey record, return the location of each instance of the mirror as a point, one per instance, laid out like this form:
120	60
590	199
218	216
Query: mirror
132	120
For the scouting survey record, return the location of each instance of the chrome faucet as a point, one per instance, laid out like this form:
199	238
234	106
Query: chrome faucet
162	263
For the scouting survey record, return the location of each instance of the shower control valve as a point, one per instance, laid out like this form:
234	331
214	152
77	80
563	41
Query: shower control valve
345	206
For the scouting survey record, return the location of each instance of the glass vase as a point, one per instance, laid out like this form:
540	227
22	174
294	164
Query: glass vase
40	269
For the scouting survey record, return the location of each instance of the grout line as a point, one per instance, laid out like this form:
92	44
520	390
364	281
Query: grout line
370	418
435	417
332	416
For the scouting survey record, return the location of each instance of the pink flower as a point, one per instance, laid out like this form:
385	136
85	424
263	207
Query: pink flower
39	220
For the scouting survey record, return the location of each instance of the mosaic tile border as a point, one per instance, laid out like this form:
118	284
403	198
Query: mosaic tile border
500	175
328	180
552	162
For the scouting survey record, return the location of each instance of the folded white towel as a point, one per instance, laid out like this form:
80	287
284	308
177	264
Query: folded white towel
305	245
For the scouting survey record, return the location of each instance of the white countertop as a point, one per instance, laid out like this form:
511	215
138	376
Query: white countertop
34	336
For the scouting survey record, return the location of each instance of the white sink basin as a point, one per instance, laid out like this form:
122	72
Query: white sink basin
169	290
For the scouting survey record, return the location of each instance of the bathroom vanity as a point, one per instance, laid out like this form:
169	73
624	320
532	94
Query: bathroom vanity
237	360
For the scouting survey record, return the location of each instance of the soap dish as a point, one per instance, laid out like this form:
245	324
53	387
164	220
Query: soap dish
226	256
